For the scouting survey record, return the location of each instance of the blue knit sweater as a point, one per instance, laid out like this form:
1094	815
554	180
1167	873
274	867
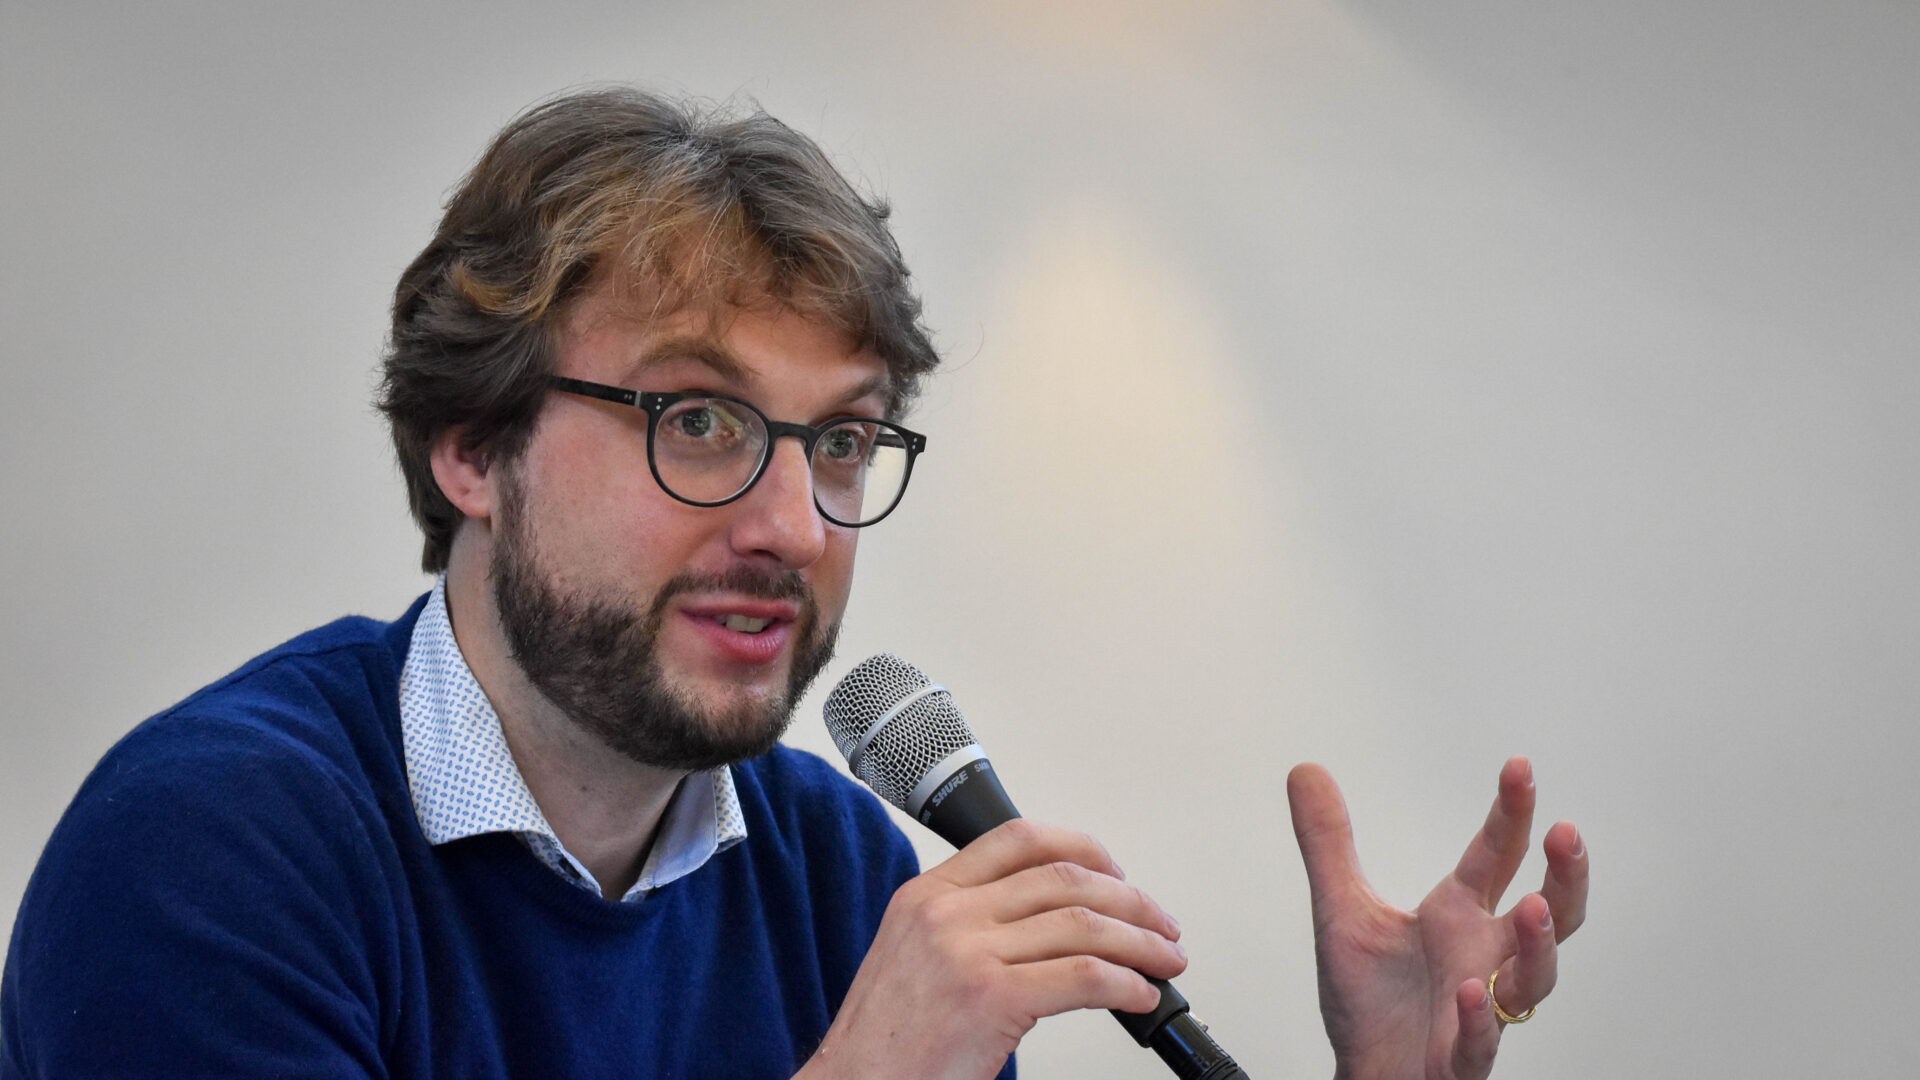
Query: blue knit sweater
241	889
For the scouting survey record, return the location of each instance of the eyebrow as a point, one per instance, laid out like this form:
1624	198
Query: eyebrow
706	353
881	384
699	350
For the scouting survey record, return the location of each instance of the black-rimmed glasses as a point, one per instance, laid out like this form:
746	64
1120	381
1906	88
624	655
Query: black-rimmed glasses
707	450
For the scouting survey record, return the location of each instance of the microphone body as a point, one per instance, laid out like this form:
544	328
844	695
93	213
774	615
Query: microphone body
903	736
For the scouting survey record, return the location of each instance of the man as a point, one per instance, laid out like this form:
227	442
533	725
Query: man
645	386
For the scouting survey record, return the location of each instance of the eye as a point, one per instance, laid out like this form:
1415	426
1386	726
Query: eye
707	426
696	422
845	443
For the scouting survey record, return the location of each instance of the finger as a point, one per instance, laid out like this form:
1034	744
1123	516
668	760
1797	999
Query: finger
1079	931
1325	835
1488	865
1057	885
1051	987
1527	978
1479	1036
1019	845
1566	884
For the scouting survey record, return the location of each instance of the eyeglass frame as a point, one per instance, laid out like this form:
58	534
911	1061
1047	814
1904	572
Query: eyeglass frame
655	404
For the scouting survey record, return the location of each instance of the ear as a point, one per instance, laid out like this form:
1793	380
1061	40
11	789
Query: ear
464	474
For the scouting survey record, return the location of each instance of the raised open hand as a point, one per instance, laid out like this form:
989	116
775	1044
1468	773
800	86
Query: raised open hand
1405	994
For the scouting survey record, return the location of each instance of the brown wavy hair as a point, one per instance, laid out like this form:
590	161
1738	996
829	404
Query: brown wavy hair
706	206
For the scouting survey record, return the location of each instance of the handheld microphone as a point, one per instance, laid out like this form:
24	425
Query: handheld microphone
905	738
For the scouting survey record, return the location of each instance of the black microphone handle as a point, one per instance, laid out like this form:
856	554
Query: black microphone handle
972	802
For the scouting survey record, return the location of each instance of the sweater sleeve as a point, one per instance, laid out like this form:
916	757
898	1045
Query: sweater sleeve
210	905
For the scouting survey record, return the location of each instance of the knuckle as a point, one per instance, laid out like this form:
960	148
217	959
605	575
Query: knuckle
1095	846
1085	920
1023	832
916	891
1088	973
1163	945
977	983
908	906
1069	875
939	910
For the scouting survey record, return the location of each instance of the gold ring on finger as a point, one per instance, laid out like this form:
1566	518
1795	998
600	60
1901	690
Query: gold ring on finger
1500	1012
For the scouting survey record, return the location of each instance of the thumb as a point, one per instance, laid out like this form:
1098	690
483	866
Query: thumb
1325	834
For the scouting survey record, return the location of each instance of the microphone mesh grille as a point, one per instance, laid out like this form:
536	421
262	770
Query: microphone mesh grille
875	685
913	741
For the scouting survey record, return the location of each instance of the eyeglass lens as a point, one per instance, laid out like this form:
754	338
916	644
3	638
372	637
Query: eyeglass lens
707	450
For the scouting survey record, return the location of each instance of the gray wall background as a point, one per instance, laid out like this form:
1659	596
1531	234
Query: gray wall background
1390	384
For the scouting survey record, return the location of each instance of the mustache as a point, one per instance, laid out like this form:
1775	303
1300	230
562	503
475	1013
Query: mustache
761	583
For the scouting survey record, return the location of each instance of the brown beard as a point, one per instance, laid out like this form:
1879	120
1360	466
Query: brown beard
594	657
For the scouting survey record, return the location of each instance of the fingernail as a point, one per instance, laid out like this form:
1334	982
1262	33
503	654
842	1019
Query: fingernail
1177	948
1486	999
1579	845
1546	918
1175	923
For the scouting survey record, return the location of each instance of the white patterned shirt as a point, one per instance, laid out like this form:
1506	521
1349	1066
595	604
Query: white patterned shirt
465	783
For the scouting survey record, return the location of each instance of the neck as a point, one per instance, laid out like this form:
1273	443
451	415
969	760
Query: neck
604	806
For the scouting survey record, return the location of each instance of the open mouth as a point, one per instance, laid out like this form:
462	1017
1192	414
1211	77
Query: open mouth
750	630
742	624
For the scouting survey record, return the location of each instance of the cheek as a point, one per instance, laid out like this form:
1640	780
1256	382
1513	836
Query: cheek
833	574
589	466
598	516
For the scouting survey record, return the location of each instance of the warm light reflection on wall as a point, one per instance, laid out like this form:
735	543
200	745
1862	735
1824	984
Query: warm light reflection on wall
1114	427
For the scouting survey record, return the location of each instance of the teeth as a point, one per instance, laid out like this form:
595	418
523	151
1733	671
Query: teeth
744	625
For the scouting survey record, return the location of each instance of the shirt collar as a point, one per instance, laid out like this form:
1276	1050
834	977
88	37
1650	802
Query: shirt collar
464	781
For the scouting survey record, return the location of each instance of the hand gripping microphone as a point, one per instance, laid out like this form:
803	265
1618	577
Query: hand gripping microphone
904	737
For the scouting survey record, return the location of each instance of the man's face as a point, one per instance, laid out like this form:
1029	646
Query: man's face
679	635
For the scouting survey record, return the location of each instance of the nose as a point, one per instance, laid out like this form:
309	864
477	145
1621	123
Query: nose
777	518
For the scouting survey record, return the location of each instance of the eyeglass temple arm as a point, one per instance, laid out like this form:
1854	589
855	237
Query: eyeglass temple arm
595	390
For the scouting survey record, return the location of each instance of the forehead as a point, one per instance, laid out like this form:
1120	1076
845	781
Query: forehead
630	335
